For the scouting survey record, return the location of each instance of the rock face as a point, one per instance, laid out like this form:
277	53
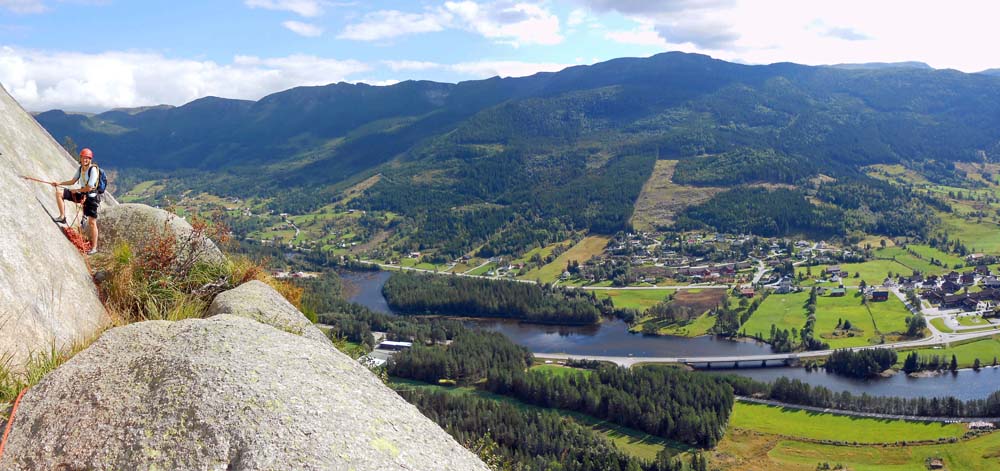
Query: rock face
134	223
46	294
224	393
258	301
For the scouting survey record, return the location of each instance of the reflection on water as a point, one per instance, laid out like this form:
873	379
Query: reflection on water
611	338
966	384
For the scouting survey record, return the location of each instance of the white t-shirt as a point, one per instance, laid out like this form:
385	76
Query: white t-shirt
89	180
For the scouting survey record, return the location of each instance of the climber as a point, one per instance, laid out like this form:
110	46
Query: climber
87	178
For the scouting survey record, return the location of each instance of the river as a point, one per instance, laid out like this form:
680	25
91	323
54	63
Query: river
611	338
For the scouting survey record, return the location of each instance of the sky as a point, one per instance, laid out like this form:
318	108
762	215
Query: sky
95	55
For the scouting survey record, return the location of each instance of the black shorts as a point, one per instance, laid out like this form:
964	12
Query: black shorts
90	204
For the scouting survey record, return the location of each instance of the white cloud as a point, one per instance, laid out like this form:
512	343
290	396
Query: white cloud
303	29
397	66
306	8
24	6
42	80
577	17
506	22
642	36
386	24
503	21
484	69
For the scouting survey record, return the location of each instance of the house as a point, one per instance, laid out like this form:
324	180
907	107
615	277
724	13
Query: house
934	296
747	292
394	346
991	281
838	292
952	276
950	286
880	295
981	426
888	282
983	270
968	279
832	270
953	300
785	285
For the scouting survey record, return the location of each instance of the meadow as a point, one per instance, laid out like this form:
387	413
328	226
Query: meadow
872	271
966	354
581	252
831	310
767	438
785	311
640	299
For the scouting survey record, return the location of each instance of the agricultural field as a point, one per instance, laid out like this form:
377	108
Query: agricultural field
928	252
695	328
872	271
816	426
763	438
640	299
985	350
890	316
830	310
914	263
541	251
785	311
978	237
581	252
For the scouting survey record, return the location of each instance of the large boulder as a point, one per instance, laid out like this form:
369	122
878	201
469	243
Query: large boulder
224	393
47	297
138	223
258	301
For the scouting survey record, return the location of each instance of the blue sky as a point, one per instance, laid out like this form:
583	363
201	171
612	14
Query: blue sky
92	55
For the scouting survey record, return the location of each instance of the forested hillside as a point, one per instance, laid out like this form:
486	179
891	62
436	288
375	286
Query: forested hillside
527	159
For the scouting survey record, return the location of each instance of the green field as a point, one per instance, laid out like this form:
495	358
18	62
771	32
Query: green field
817	426
928	252
763	438
985	350
982	237
639	444
581	252
640	299
483	269
939	323
831	309
969	321
979	454
872	271
902	256
558	370
694	328
890	316
785	311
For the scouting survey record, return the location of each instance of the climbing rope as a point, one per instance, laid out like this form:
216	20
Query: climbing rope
10	422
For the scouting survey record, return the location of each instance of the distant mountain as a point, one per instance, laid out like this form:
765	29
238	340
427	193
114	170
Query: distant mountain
571	150
884	65
994	72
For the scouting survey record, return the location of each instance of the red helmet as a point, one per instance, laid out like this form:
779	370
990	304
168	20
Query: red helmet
86	153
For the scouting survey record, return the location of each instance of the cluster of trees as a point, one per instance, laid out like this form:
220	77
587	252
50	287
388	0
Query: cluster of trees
468	359
915	324
728	319
794	391
464	296
914	362
764	212
529	440
744	165
861	363
668	402
354	322
877	207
